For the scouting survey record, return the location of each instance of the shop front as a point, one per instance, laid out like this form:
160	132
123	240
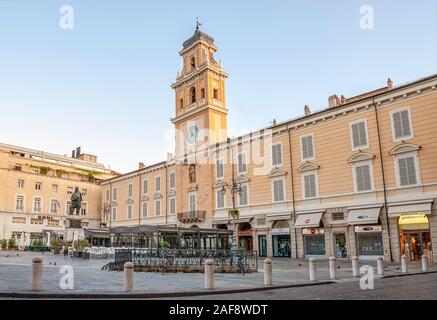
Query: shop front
415	238
368	231
414	228
245	236
281	239
313	234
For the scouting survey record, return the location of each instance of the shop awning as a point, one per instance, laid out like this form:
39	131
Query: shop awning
363	215
396	210
278	216
226	221
308	220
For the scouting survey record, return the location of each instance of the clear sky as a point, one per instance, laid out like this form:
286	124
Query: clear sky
105	85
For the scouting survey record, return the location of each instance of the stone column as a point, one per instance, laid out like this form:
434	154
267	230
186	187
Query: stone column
313	269
209	274
380	265
332	268
37	270
268	272
355	267
128	277
269	243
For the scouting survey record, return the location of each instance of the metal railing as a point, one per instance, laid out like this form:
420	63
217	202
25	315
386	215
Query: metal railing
184	260
191	216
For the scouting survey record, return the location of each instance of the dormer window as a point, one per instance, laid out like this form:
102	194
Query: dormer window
193	63
193	94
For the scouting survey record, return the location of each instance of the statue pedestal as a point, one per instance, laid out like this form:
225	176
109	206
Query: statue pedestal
74	223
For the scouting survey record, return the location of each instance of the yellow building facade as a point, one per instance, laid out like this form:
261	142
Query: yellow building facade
36	187
358	178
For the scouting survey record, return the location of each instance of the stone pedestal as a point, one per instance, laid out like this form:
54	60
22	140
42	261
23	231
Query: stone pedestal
74	223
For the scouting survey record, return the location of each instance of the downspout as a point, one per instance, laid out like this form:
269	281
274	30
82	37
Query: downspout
292	187
110	214
139	199
166	193
383	179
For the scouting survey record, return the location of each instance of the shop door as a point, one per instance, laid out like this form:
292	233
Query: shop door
262	246
417	244
246	243
340	245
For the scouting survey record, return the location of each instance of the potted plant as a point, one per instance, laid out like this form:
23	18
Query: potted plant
56	245
11	244
4	244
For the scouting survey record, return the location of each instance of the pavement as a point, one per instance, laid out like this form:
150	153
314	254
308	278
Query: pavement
91	281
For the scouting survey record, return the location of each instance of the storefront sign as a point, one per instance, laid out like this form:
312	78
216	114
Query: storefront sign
313	231
413	219
368	228
362	217
280	231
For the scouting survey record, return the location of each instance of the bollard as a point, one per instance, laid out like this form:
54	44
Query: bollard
380	265
313	269
332	268
424	263
128	277
404	265
37	274
268	272
209	274
355	267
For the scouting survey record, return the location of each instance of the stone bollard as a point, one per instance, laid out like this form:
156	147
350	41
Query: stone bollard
424	263
37	274
355	267
268	272
380	265
313	269
332	268
209	274
404	265
128	277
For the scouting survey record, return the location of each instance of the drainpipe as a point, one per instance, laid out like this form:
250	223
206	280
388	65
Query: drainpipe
292	187
139	199
383	178
166	193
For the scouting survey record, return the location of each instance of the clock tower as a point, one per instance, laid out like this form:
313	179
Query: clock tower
200	113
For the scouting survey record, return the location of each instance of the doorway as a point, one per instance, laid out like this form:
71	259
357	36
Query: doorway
415	244
340	245
262	245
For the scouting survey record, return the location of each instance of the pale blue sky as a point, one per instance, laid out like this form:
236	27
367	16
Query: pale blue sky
106	84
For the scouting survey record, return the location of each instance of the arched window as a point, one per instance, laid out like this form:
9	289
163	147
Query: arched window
193	94
193	63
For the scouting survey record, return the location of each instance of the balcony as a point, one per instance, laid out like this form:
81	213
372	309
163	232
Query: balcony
192	216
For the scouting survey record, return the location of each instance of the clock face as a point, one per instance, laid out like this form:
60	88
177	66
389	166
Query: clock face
192	133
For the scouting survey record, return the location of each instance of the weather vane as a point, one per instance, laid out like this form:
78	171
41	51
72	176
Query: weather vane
198	24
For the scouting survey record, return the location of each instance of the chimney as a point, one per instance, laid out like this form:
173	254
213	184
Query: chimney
78	152
141	165
274	122
389	84
73	154
342	99
333	101
307	110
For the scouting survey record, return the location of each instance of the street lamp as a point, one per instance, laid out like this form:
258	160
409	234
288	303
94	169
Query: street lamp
234	213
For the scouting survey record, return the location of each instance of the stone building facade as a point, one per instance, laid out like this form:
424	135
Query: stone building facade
356	178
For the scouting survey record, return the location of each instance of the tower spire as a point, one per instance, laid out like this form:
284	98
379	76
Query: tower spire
198	24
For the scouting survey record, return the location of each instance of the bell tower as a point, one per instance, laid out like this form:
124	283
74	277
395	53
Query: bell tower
200	104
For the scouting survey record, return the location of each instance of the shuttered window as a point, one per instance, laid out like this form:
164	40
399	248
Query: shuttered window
242	163
363	178
278	190
220	199
242	195
145	186
158	184
219	169
359	135
114	213
144	209
407	171
172	205
192	202
307	147
129	211
310	186
276	154
157	207
401	124
129	191
172	180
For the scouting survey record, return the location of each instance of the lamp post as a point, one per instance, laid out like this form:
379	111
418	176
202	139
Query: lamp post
234	186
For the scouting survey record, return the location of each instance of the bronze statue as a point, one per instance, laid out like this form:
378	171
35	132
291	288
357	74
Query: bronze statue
76	201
